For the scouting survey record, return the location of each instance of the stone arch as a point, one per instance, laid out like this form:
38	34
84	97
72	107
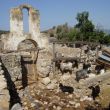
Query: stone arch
27	44
16	21
25	6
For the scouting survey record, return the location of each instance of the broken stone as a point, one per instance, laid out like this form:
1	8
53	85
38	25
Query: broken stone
45	102
72	102
86	98
46	81
1	72
17	106
51	86
33	104
77	105
58	108
70	96
65	77
54	107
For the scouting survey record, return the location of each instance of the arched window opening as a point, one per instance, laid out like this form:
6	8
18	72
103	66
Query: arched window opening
25	20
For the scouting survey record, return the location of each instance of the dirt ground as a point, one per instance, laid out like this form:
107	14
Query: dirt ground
43	99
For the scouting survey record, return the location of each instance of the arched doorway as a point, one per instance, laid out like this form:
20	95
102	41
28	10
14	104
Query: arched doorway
28	61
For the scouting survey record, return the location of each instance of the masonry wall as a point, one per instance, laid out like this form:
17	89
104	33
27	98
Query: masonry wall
16	20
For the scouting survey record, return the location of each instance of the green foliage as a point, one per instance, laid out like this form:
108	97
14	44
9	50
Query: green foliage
83	30
3	32
85	26
73	34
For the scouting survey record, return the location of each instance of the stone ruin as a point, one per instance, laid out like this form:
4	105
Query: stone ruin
17	39
29	55
12	40
23	55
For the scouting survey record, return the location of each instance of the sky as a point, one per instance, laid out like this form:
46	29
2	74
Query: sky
56	12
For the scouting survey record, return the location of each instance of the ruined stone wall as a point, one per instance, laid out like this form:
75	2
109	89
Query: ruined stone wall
44	63
12	64
34	22
12	40
17	35
16	20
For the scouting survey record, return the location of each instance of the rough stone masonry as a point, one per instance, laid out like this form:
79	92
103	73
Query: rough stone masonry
17	35
17	39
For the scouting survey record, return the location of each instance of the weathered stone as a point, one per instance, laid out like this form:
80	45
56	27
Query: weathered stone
12	40
33	104
77	105
13	65
86	98
44	66
4	99
17	106
45	102
46	81
70	96
58	108
65	77
72	102
1	72
51	86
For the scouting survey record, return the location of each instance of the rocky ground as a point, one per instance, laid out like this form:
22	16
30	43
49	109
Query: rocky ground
46	95
43	99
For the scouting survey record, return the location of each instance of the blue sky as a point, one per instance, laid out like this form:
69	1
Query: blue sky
55	12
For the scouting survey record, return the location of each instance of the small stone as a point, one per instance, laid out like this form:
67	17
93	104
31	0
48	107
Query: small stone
51	86
25	108
1	71
72	102
25	103
17	106
77	105
46	81
68	105
59	108
70	96
33	105
62	103
54	107
86	98
36	101
65	77
45	102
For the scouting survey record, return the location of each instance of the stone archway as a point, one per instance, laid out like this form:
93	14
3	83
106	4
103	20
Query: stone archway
28	63
16	19
27	44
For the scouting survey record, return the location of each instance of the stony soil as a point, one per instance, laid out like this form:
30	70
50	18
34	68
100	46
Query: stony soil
35	98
